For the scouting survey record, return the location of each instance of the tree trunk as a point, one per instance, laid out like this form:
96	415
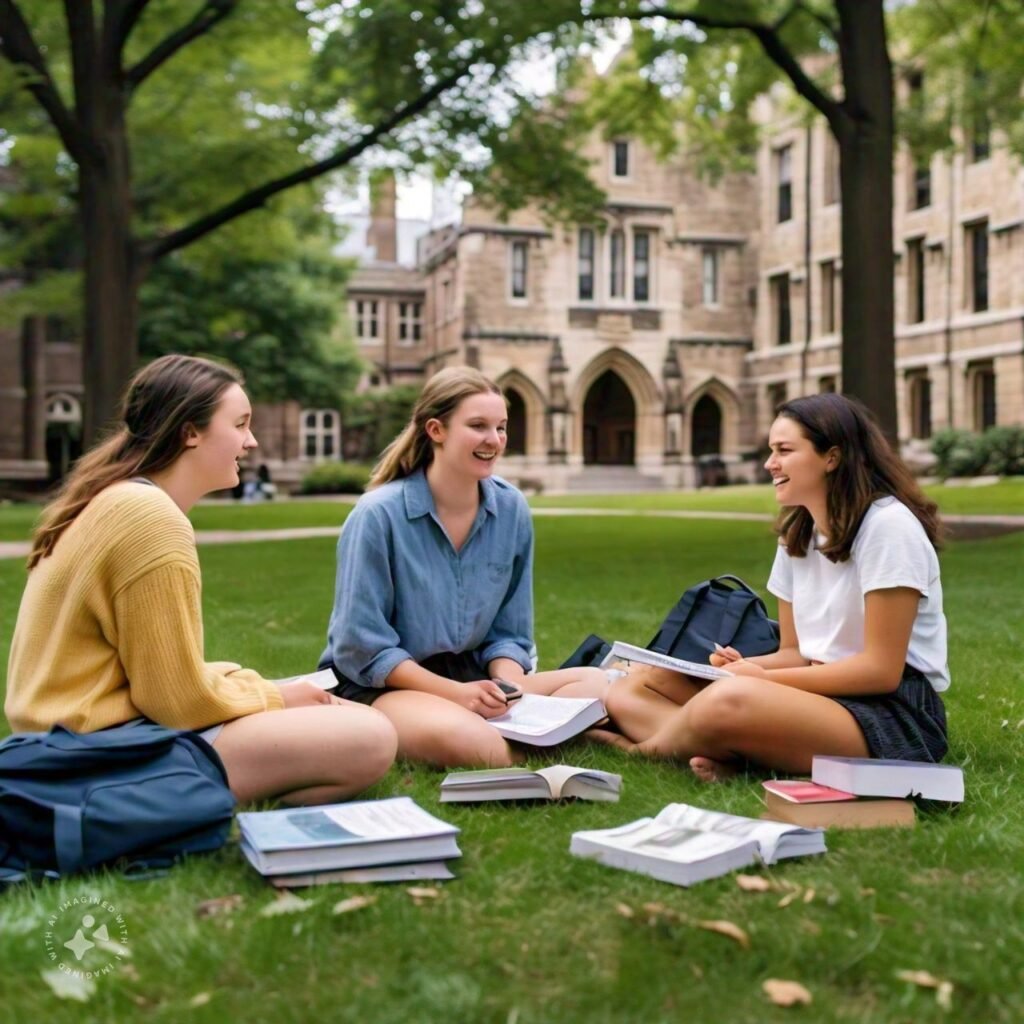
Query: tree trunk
865	137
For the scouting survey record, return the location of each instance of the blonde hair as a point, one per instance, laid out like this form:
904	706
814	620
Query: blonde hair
163	399
440	397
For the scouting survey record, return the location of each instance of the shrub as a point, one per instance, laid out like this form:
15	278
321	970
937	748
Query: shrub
1000	451
336	478
1004	450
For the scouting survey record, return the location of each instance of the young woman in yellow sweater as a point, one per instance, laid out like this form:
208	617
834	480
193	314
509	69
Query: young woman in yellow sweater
110	625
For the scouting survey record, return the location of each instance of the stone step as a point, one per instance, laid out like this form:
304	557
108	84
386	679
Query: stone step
612	479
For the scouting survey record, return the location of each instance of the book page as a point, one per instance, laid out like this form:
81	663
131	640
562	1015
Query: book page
533	715
767	833
398	818
324	678
558	775
627	652
653	837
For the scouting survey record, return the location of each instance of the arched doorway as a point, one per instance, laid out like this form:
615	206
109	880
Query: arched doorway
63	434
516	423
706	427
609	423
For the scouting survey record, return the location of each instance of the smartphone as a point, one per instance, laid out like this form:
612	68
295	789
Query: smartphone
511	691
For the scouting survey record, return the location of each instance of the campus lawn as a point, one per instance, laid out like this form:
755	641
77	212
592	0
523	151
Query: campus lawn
1003	498
531	935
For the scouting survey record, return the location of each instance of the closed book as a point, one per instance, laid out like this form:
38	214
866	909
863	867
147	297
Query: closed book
686	844
556	782
808	804
622	651
333	836
430	870
868	776
546	721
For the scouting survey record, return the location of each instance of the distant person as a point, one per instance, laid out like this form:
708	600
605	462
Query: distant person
267	488
110	626
862	658
433	599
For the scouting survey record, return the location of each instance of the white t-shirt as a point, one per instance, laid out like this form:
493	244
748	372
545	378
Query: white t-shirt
891	549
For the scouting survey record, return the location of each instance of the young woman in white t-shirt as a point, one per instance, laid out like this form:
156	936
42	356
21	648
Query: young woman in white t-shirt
862	656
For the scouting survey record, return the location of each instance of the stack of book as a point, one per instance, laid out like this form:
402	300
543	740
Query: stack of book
685	844
861	792
391	840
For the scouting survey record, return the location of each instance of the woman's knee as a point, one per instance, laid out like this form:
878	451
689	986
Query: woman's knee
368	742
723	709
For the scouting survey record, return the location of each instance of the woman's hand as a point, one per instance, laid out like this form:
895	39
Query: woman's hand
725	656
747	668
303	694
483	698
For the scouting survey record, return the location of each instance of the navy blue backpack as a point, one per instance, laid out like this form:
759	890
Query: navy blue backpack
138	793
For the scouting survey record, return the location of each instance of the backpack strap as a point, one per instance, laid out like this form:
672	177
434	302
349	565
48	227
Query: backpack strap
67	838
736	606
675	622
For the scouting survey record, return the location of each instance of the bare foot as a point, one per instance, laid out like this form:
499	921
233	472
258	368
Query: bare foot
708	770
611	739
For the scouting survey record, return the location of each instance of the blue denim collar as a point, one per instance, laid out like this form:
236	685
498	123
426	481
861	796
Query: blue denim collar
419	501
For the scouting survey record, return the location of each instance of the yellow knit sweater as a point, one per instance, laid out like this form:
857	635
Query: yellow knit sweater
110	627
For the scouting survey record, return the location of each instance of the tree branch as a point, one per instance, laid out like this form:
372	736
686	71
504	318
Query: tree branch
210	14
126	20
18	46
766	35
154	249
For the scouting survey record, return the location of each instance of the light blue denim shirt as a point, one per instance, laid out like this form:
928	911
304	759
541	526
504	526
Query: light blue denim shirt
403	591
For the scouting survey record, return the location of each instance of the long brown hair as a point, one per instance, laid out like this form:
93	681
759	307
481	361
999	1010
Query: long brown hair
440	397
868	469
163	399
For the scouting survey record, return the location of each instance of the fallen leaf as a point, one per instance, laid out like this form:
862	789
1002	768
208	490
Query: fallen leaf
811	927
753	883
353	903
424	892
129	971
808	896
69	986
925	979
786	993
867	892
200	999
728	929
655	908
788	898
624	910
219	905
698	971
286	903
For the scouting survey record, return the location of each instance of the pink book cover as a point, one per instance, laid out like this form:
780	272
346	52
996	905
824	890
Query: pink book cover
803	791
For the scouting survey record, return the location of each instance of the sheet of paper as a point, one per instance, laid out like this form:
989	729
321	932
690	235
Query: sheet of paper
324	678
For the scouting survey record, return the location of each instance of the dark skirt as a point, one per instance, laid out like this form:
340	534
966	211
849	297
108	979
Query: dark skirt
463	668
908	724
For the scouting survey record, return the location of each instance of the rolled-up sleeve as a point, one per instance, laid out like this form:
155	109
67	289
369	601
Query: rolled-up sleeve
511	632
364	645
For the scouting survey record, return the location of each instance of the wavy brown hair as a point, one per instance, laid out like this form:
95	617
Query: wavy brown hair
440	397
163	400
868	469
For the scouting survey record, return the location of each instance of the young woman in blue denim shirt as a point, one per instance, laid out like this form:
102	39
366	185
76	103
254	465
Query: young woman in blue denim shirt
433	599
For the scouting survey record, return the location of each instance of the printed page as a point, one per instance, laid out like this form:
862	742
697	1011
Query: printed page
654	837
558	774
534	715
767	833
325	679
627	652
398	818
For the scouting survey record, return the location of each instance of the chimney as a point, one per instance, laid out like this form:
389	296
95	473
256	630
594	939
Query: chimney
382	233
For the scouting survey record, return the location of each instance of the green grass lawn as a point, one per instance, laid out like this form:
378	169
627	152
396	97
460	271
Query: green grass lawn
528	934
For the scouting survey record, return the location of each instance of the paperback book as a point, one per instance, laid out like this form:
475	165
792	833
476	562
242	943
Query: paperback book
868	776
557	782
354	835
807	803
686	844
621	651
546	721
429	870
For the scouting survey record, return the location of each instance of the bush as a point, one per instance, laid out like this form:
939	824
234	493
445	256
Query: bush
999	451
336	478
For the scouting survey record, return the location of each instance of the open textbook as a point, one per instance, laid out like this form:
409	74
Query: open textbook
354	835
686	844
556	782
545	721
622	651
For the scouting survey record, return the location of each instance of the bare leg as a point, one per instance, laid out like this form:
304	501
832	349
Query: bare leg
308	755
640	703
568	682
751	718
442	733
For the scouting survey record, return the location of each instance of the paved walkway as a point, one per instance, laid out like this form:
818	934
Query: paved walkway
962	527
